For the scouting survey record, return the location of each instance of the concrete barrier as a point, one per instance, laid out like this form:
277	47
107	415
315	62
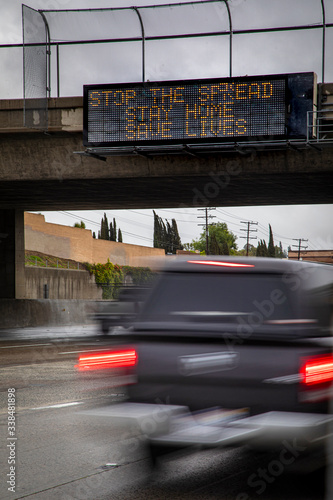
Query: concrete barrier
60	284
21	313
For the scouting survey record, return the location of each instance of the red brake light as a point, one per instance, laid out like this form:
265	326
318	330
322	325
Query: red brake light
106	360
218	263
318	370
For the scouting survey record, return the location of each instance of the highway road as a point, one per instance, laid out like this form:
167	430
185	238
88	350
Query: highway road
61	451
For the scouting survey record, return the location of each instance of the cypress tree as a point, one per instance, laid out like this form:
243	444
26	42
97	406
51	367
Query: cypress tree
108	232
158	231
106	228
177	244
262	250
169	238
271	248
114	234
166	235
100	232
120	236
104	233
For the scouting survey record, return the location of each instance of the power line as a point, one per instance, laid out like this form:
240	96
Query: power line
98	224
206	216
299	246
248	230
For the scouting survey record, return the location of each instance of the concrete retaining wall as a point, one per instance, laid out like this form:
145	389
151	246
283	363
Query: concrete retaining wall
61	284
21	313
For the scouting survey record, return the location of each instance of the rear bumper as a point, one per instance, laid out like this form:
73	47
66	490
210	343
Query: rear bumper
171	425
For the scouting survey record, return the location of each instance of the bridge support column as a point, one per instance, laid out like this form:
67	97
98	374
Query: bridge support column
12	254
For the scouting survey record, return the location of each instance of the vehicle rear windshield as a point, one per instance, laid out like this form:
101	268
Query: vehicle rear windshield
222	297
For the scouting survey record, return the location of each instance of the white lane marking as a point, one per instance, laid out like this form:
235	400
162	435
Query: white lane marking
27	345
61	405
78	352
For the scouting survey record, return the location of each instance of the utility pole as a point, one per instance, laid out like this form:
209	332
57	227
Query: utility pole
248	237
299	246
206	216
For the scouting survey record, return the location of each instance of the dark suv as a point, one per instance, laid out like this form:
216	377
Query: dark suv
232	351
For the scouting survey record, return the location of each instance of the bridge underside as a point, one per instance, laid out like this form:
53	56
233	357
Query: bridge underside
164	192
42	172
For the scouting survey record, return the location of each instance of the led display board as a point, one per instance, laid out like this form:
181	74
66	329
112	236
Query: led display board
197	111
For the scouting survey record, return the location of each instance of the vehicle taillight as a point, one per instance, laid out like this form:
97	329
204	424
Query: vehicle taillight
218	263
105	360
317	371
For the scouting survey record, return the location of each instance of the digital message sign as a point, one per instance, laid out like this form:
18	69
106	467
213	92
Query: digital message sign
192	111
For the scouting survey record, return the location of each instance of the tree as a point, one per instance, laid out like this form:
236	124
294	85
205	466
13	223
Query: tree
252	250
279	252
221	240
166	235
159	231
120	236
81	225
271	247
104	232
173	241
272	250
108	232
262	250
113	230
215	248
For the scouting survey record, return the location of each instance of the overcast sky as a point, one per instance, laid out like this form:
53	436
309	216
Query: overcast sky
259	54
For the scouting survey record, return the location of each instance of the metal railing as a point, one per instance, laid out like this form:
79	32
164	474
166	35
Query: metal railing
54	264
320	126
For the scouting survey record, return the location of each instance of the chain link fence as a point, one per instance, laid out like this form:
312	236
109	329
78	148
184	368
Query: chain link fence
36	57
64	49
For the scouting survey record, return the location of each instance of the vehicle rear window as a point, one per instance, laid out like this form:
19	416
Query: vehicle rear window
220	297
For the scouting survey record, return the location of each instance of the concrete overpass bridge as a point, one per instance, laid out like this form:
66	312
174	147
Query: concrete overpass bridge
40	171
43	171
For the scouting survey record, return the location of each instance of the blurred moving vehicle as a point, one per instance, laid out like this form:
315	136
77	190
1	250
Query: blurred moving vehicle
122	312
228	352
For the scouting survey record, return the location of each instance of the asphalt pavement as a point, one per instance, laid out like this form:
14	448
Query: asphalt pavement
61	451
